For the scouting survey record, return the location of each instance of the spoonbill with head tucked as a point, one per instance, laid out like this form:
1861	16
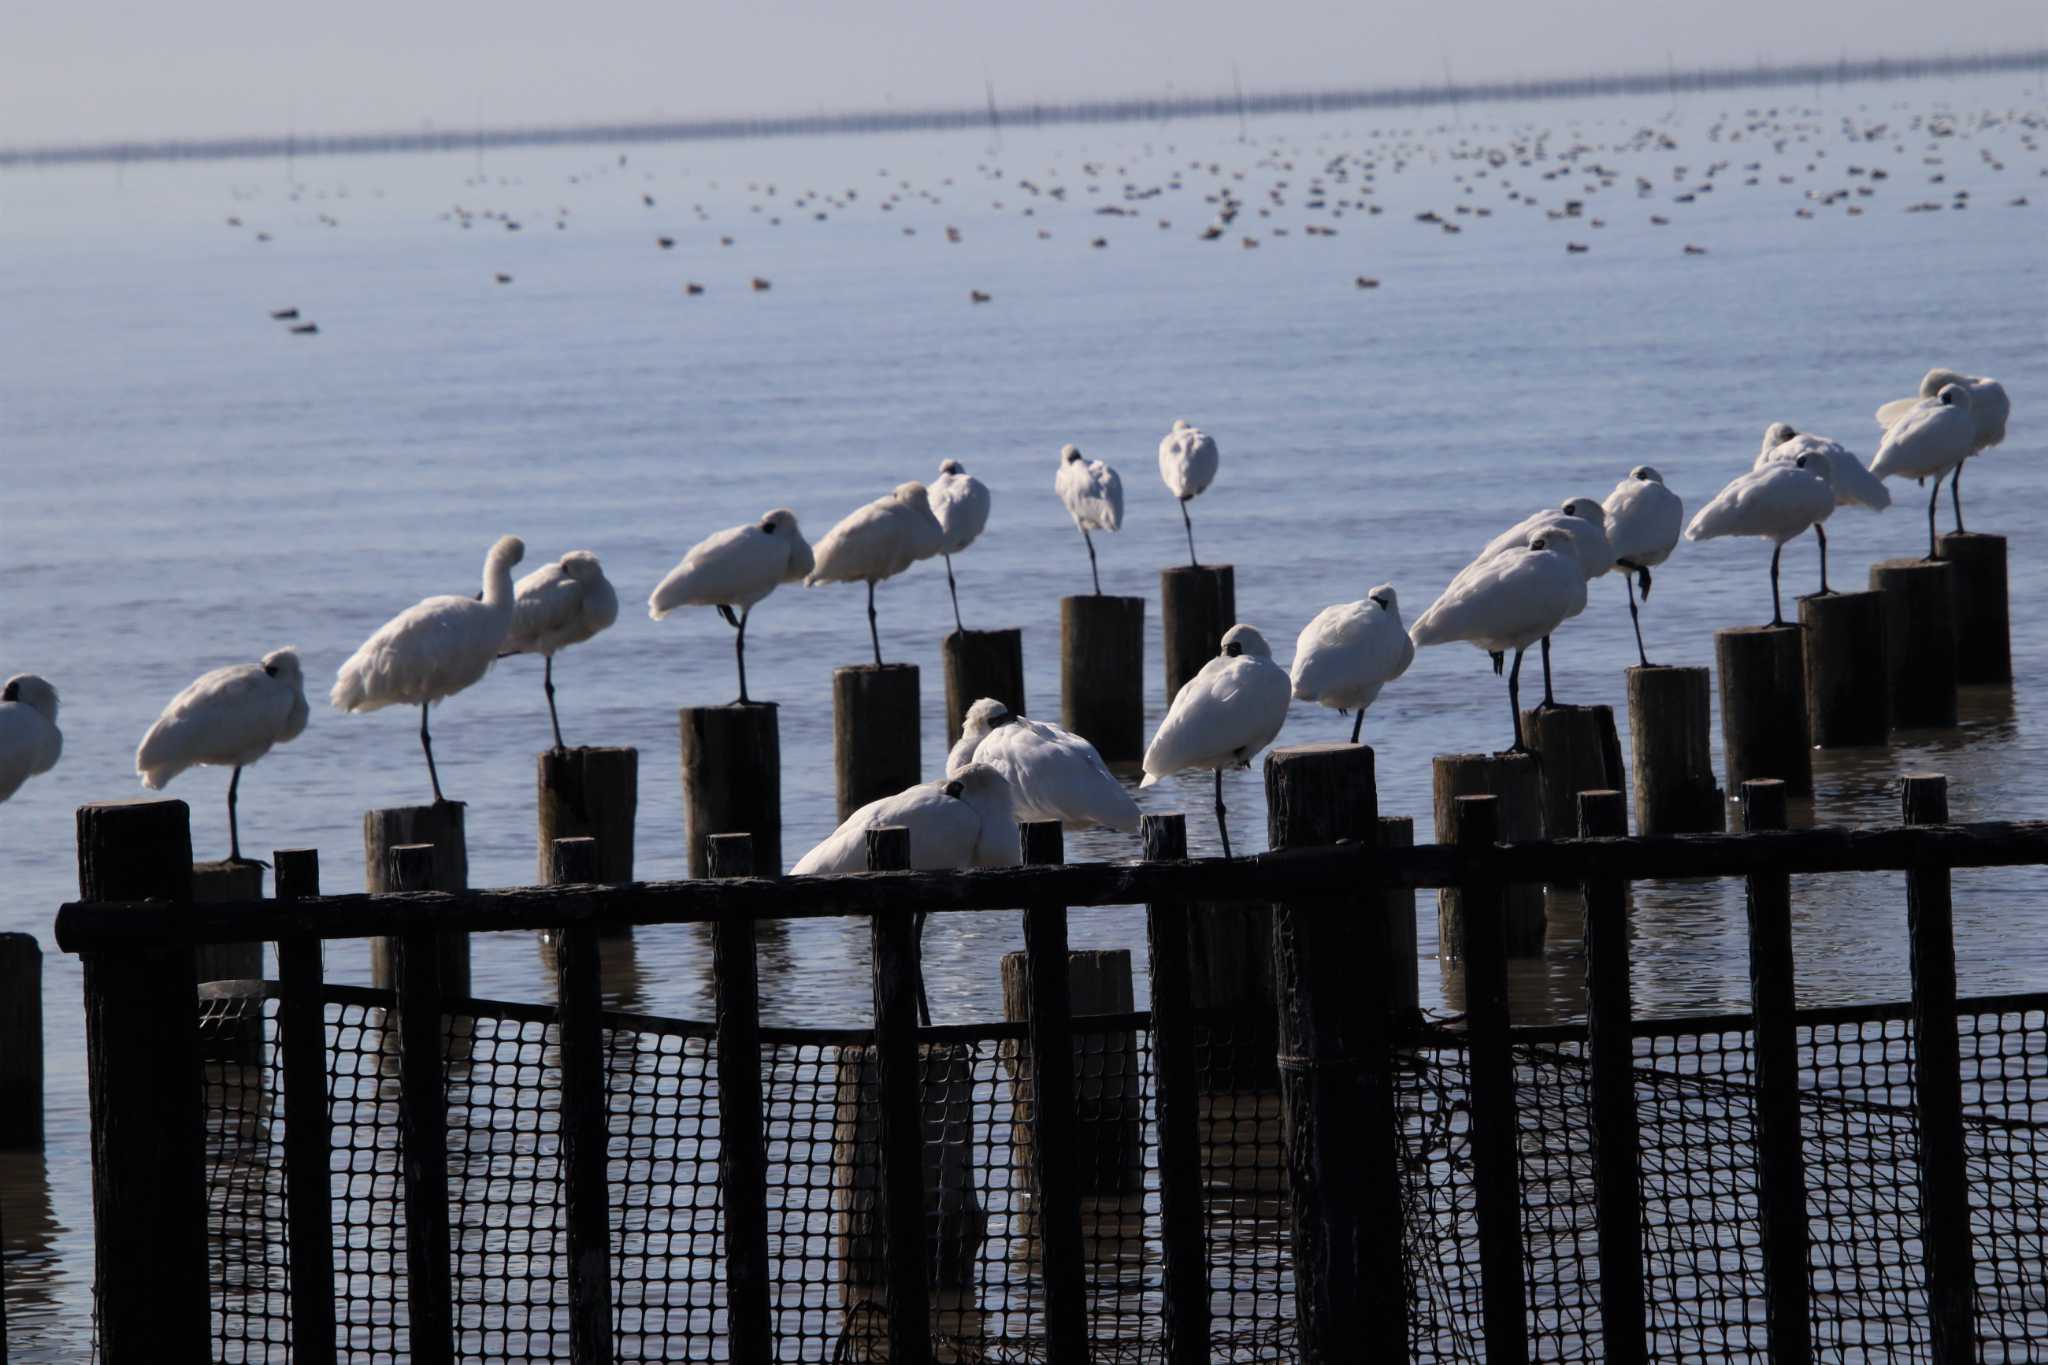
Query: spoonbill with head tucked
1350	651
1222	716
1933	437
1774	503
1585	521
1990	408
960	502
1056	774
878	541
1855	485
1643	521
30	741
736	568
1187	462
1094	498
228	718
555	606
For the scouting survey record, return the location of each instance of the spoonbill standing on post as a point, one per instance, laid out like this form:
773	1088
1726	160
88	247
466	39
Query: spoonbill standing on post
1934	436
30	741
878	541
432	650
1585	521
1989	410
960	502
1855	485
1643	521
1056	774
558	605
736	568
1510	602
1350	651
1222	716
1774	503
228	718
1094	497
1187	462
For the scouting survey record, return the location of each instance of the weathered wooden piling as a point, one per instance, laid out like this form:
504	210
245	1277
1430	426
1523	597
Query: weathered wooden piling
1177	1103
1404	985
877	748
224	881
732	781
437	825
585	1118
1670	727
742	1129
1847	702
1516	781
1763	706
1102	673
309	1129
1108	1107
418	977
1577	749
1196	607
590	793
982	663
21	1043
1920	640
1983	623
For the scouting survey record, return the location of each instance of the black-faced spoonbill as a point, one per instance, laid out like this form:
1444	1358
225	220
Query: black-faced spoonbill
1350	651
228	718
1094	498
1585	521
555	606
30	741
1644	519
1222	716
1775	503
1933	437
878	541
960	502
1989	410
1055	774
736	568
1187	463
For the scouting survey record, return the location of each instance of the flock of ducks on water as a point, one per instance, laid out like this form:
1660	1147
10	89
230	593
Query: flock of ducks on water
1517	592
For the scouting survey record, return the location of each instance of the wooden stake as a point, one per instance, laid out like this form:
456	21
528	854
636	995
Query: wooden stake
1102	673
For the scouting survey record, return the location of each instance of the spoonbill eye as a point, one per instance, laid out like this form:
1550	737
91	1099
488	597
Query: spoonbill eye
953	789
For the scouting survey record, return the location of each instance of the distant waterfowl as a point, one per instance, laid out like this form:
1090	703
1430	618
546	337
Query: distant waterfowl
284	314
1931	438
693	288
1349	652
1774	503
734	570
555	606
228	718
503	278
306	329
1187	463
1990	408
1054	773
977	296
432	650
761	286
30	742
665	243
1366	282
1644	519
960	502
1854	484
1094	498
1222	716
878	541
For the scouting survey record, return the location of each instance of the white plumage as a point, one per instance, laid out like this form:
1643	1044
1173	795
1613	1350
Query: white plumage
1855	485
433	650
1350	651
736	568
1187	462
1931	438
1774	503
558	605
1054	773
1094	498
1222	716
878	541
30	741
228	718
1644	519
960	502
1584	522
1990	407
967	819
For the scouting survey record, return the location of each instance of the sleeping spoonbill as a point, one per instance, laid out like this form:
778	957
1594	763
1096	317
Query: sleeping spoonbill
878	541
1775	503
1855	485
1585	520
433	649
555	606
1934	436
960	502
1222	716
1989	410
1056	774
30	741
228	718
1094	498
1187	462
1350	651
736	568
1510	602
1643	521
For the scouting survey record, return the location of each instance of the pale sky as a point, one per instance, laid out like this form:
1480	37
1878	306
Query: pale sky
91	69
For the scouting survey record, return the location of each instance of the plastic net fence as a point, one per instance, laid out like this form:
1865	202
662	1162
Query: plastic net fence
247	1232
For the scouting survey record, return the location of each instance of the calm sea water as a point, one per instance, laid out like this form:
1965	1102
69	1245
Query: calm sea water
186	485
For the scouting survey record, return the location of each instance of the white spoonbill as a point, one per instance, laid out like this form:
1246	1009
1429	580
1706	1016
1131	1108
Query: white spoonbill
1644	519
1350	651
558	605
1510	602
1222	716
878	541
960	502
736	568
966	819
1936	435
228	718
1855	485
1094	498
1585	521
30	741
1187	462
1056	774
432	650
1989	410
1774	503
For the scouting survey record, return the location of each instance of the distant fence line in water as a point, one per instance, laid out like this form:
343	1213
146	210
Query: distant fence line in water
1134	109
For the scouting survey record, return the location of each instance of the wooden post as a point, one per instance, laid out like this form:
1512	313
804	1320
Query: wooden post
1177	1106
223	881
440	826
1847	702
308	1122
1763	706
1108	1107
1404	985
1514	779
585	1117
1920	640
1496	1125
1102	673
422	1113
1945	1238
1780	1150
982	663
1336	1080
1982	622
904	1255
1577	750
742	1131
1670	727
1617	1145
591	793
150	1251
876	745
1197	606
732	781
21	1043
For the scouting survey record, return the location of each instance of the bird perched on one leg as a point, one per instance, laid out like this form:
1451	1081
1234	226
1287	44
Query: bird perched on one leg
555	606
30	742
1056	774
1990	409
1774	503
228	718
736	568
1931	438
878	541
960	502
1222	716
1855	485
1644	519
1350	651
1187	462
1094	498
